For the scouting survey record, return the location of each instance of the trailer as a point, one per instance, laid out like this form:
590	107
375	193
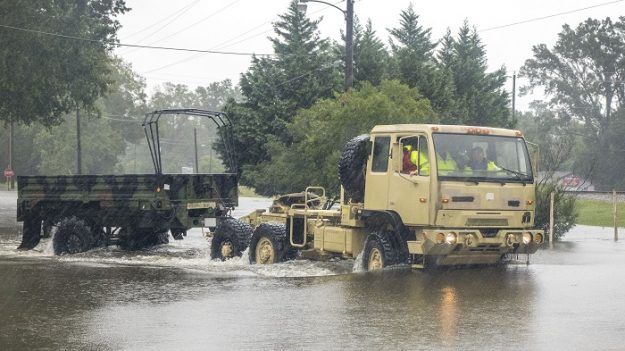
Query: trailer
135	210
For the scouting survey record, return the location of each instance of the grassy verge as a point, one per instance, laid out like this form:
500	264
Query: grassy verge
247	191
599	213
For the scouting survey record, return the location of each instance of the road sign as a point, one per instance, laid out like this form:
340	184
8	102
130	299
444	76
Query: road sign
8	173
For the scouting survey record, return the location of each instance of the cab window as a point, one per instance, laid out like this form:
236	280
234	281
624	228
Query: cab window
380	154
414	155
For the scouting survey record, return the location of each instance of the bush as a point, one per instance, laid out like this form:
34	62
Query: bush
565	213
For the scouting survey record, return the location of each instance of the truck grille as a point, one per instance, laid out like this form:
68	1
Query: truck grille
486	248
487	222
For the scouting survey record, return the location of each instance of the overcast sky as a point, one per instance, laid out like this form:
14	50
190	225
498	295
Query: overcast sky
244	25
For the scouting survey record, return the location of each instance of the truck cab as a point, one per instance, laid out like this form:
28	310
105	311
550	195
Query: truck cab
470	185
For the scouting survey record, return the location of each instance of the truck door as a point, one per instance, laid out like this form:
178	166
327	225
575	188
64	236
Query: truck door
409	180
376	183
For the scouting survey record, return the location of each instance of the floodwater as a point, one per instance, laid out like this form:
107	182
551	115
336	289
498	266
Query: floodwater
174	297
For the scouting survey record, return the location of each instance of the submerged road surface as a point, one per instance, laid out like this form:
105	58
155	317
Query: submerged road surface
174	297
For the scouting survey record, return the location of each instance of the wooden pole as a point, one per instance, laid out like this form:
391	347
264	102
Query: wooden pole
614	215
551	219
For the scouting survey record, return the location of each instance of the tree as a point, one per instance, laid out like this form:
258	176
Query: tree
52	150
478	96
43	77
320	133
370	55
275	88
583	77
413	50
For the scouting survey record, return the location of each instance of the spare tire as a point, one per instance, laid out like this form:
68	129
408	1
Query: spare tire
352	167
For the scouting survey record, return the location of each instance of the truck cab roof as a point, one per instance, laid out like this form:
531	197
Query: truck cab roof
442	128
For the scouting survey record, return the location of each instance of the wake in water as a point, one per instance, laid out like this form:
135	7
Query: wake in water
191	254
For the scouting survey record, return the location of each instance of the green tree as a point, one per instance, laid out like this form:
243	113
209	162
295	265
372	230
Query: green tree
556	137
370	55
583	77
413	53
300	73
43	77
479	97
52	150
320	133
413	63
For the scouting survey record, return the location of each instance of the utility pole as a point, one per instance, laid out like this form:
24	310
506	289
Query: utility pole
197	167
78	148
349	45
12	181
513	95
349	37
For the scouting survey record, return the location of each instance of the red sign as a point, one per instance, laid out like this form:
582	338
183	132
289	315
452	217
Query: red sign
8	173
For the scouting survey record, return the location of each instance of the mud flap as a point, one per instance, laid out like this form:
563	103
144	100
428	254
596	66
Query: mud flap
31	234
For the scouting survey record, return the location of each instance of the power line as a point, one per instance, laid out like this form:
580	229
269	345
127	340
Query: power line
223	45
549	16
132	45
198	22
168	17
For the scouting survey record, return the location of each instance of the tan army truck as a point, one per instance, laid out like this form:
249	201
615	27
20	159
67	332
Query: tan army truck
411	194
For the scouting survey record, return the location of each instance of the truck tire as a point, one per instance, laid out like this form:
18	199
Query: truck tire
131	239
231	238
31	233
73	236
269	244
379	252
352	167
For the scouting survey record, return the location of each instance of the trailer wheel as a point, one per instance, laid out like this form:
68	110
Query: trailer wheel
49	228
231	238
73	236
269	244
379	252
352	167
31	233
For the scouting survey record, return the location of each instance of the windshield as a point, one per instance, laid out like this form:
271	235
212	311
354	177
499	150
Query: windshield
482	157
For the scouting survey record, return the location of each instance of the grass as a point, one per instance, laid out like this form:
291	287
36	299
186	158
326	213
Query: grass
599	213
247	191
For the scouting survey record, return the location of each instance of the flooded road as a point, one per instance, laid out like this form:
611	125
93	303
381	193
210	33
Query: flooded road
175	297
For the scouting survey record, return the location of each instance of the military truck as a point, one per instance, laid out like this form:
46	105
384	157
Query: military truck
410	194
135	210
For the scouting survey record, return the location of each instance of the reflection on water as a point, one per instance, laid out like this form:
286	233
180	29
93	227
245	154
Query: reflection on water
448	314
174	297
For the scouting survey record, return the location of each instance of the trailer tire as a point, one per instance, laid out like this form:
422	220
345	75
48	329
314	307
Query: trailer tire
231	238
269	244
73	236
31	233
379	252
352	167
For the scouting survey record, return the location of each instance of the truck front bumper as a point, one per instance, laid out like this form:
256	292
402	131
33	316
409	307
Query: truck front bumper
467	247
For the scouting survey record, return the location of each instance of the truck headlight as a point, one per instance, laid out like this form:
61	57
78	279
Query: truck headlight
538	238
451	238
527	238
440	238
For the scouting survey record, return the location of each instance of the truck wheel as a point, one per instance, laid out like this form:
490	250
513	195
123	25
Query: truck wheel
49	228
231	238
352	167
379	252
31	233
269	244
73	236
127	239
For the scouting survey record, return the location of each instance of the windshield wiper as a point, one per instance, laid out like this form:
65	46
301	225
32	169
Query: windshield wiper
518	175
